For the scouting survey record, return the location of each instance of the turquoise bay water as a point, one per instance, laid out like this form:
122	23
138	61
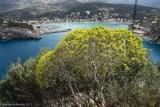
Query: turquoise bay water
11	50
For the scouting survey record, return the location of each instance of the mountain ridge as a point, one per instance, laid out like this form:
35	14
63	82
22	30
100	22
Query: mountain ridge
8	5
63	9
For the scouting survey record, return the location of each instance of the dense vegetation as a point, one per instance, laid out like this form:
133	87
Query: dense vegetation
155	29
96	67
21	25
19	85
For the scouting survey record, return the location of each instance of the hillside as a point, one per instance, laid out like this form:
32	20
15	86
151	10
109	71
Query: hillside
64	8
149	3
122	9
7	5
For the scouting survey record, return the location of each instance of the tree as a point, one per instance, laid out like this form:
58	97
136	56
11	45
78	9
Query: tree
87	62
155	29
19	85
1	21
21	25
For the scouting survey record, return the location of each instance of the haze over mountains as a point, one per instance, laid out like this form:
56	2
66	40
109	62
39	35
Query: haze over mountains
6	5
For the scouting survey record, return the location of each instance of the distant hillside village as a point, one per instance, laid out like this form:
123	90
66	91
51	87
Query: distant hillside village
22	27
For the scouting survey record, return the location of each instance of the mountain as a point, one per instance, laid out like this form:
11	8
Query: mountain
27	9
7	5
150	3
35	7
65	8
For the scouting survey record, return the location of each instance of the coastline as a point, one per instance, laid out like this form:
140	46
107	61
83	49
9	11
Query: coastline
108	21
25	34
40	30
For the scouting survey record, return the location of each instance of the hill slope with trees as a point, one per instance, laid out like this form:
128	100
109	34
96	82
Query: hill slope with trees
63	9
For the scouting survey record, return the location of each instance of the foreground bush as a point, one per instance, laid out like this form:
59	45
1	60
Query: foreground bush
97	47
19	85
95	67
96	64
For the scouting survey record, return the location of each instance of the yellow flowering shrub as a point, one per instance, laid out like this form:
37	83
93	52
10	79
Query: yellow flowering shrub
100	46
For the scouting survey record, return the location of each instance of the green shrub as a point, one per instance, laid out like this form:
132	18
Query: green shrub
90	61
19	85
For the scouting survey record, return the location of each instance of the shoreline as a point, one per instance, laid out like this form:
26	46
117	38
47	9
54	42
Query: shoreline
20	34
39	33
126	23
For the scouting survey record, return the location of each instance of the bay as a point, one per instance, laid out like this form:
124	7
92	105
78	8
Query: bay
11	50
